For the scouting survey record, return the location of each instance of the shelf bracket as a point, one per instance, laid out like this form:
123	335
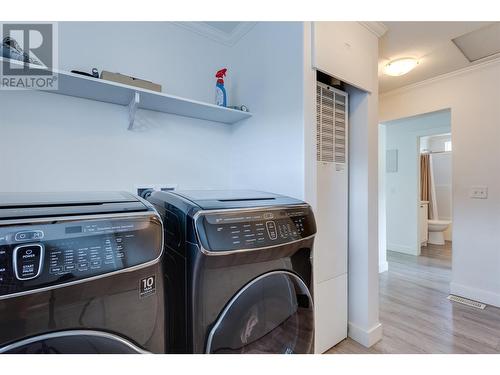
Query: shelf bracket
132	108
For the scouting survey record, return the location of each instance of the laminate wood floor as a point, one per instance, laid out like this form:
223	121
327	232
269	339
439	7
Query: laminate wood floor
417	317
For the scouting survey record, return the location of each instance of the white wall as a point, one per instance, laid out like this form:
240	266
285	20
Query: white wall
346	48
473	96
267	150
402	187
54	142
383	265
364	325
326	43
441	167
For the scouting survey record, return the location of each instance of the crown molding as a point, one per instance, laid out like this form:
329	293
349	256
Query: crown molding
441	77
210	32
377	28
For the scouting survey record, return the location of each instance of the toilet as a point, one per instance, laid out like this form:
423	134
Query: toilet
436	231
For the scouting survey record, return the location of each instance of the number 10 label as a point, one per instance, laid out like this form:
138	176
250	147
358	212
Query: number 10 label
147	286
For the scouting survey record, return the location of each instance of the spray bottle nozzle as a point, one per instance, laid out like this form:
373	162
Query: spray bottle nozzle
221	73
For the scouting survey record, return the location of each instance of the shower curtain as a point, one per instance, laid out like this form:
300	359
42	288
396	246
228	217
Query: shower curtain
426	181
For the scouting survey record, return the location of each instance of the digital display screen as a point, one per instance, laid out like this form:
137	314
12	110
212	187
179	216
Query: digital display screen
255	229
75	229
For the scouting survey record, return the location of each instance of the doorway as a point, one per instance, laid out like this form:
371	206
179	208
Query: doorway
435	208
409	201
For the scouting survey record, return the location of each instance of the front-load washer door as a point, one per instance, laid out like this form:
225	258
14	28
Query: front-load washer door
271	314
73	342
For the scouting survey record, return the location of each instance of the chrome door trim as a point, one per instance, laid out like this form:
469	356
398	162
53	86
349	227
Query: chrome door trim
205	251
243	290
50	219
82	332
88	279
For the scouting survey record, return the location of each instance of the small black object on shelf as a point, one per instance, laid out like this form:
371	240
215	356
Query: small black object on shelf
242	108
94	74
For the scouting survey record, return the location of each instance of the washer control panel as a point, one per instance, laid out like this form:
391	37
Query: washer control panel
237	230
43	255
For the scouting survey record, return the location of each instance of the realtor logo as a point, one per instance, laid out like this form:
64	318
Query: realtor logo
29	56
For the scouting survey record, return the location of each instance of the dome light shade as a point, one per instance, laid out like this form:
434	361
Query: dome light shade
400	66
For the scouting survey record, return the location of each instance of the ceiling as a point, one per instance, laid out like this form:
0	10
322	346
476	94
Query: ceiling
224	26
225	32
429	42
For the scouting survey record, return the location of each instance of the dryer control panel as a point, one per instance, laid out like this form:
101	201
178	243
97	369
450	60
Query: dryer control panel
251	229
47	254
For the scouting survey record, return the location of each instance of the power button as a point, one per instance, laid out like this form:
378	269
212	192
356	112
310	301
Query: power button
28	261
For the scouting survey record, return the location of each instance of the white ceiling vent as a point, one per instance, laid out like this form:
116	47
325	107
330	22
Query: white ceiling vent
481	43
331	124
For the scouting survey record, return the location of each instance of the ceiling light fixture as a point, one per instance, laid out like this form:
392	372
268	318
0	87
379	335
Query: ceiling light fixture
400	66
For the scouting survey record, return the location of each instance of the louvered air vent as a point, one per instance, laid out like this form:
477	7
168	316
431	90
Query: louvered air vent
318	123
331	125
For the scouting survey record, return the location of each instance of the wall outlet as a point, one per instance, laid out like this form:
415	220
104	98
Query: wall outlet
144	191
479	192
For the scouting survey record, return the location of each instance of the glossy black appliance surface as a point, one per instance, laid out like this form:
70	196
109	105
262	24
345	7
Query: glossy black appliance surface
84	278
238	271
239	230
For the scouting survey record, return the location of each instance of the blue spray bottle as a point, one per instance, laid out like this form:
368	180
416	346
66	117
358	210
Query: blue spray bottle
220	91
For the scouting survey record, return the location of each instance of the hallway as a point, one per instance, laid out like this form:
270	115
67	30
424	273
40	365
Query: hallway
417	317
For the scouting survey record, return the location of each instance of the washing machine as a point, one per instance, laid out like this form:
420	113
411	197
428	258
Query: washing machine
80	273
237	272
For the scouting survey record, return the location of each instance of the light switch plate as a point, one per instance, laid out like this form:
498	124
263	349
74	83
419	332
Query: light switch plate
479	192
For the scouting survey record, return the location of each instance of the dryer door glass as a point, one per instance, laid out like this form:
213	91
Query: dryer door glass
271	314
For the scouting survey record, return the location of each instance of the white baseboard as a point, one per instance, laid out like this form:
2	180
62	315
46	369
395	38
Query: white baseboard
366	338
480	295
383	267
403	249
448	233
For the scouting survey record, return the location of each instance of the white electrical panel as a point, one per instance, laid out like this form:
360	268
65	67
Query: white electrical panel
330	249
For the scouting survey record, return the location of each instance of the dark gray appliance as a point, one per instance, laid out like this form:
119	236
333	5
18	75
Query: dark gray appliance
80	273
237	272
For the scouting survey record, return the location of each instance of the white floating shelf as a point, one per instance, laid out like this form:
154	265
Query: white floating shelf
80	86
